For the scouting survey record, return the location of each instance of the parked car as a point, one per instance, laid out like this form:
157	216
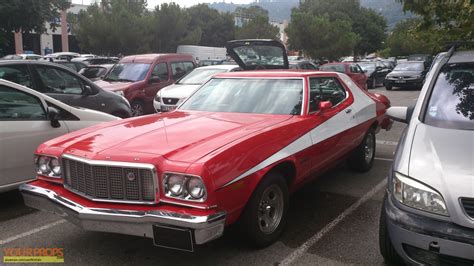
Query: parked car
169	97
30	118
428	212
406	74
351	69
95	60
96	72
375	71
426	58
233	151
303	64
76	66
140	77
22	57
65	85
61	56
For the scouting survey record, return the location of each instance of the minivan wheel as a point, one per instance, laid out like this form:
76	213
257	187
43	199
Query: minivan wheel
387	250
362	157
265	214
138	108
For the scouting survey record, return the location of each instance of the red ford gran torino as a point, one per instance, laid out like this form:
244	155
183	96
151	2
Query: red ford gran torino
231	153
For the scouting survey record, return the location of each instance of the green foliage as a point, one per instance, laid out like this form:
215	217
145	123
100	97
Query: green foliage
332	29
256	25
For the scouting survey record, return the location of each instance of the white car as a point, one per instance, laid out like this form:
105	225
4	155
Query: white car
29	118
168	98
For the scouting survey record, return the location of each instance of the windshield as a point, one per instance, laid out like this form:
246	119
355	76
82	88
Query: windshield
128	72
368	67
93	72
199	76
333	68
410	67
257	55
259	96
452	101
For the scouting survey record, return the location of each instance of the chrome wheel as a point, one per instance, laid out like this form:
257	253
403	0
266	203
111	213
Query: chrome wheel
369	147
137	109
270	210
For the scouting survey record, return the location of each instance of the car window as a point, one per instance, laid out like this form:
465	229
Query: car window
56	80
325	89
178	70
160	71
63	114
93	72
16	105
189	66
354	68
258	96
452	101
16	73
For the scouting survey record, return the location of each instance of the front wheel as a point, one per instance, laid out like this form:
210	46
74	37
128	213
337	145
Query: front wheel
138	108
385	243
363	156
266	212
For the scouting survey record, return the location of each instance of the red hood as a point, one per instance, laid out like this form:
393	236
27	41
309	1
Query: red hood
178	136
113	86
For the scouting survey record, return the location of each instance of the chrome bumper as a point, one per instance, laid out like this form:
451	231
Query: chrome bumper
129	222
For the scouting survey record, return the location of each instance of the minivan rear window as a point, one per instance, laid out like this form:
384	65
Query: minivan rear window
452	101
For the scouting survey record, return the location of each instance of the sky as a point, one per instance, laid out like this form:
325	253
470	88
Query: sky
185	3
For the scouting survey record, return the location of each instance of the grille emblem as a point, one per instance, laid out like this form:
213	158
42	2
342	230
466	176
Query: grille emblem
131	176
169	100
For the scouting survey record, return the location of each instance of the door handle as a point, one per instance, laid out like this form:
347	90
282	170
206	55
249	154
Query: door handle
348	111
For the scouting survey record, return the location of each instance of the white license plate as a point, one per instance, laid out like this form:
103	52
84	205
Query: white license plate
167	108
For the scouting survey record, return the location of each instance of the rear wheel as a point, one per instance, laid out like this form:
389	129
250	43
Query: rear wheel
266	212
138	108
387	250
362	157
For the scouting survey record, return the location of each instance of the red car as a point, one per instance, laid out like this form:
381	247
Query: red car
351	69
139	77
231	153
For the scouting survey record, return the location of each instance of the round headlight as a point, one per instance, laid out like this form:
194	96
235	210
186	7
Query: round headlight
195	188
43	165
55	166
176	184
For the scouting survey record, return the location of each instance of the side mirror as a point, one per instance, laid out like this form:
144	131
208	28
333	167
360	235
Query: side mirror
324	105
53	116
154	80
400	113
87	90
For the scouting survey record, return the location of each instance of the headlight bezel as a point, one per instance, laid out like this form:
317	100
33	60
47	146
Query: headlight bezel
401	183
48	171
184	191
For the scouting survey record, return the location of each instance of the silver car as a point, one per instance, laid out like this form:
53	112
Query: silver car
428	212
168	98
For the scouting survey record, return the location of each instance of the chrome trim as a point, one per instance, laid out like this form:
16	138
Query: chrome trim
116	164
130	222
187	197
58	178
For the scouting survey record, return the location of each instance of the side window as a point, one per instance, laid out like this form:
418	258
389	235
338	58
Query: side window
63	114
160	71
325	89
56	80
179	69
354	68
188	66
16	73
16	105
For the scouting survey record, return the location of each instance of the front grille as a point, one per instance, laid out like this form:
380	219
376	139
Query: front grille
104	182
170	101
468	205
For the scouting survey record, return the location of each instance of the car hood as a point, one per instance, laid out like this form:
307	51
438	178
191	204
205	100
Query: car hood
178	91
443	159
177	136
398	73
113	86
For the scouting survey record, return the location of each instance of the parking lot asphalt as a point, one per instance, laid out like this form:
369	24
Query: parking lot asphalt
332	221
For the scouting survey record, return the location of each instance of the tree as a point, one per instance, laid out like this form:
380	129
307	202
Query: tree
256	24
452	18
320	37
364	29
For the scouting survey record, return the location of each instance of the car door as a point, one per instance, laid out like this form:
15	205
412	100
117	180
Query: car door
356	73
25	125
65	87
331	136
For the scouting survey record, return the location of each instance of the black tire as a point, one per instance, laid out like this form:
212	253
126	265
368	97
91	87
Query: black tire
372	84
387	250
138	108
389	88
251	222
362	158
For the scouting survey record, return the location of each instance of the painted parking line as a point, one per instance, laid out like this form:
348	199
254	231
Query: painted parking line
300	251
31	232
387	142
